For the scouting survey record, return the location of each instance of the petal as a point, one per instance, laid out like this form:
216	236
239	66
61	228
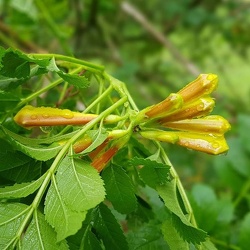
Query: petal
214	124
203	85
165	136
211	144
198	108
170	104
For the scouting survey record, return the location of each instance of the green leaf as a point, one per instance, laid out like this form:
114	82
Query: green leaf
187	231
208	245
98	137
90	241
21	190
11	218
40	235
76	80
7	101
244	239
41	153
108	229
147	237
80	184
205	206
9	158
15	68
152	173
65	221
119	188
172	237
23	173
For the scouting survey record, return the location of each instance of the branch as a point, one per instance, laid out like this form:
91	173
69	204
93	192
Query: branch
160	37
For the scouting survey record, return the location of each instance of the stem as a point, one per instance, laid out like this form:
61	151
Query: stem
58	160
179	186
243	193
87	65
48	87
225	244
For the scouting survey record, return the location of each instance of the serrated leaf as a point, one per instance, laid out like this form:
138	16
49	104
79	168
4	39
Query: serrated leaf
172	237
11	218
90	241
9	158
65	221
151	172
109	230
41	153
80	184
147	237
98	137
21	190
40	235
208	245
76	80
23	173
119	188
187	231
244	239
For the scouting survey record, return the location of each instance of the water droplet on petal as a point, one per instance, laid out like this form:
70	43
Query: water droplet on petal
45	116
33	117
68	115
215	145
200	107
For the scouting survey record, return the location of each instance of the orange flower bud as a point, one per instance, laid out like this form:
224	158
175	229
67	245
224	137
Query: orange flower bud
205	84
30	116
170	104
198	108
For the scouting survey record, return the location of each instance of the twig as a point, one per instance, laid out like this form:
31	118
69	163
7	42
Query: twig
161	38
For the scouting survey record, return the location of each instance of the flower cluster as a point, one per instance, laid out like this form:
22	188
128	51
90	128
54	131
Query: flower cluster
186	114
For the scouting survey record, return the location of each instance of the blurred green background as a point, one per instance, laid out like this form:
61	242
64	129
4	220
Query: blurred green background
156	47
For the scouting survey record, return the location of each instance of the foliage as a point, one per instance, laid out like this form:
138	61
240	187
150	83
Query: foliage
209	35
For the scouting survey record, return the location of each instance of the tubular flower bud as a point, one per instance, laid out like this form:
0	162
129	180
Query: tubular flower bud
213	124
187	112
198	108
102	157
171	103
208	143
203	85
30	116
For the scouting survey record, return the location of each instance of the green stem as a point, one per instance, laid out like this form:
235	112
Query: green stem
180	187
225	244
58	160
87	65
244	191
48	87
